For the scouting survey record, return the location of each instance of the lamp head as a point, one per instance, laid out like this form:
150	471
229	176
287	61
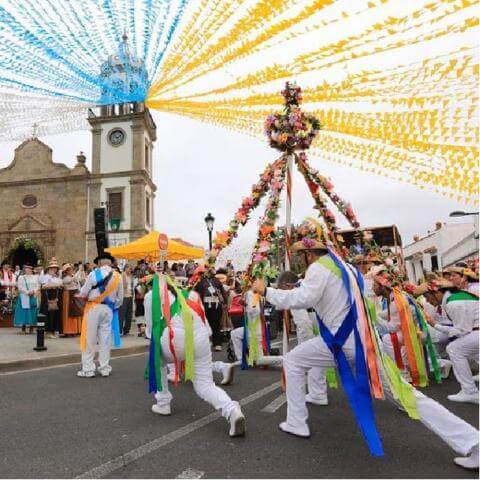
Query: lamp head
209	221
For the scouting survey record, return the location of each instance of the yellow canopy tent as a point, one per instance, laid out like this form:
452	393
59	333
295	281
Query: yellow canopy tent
147	248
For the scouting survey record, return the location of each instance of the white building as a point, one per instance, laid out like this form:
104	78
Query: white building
445	246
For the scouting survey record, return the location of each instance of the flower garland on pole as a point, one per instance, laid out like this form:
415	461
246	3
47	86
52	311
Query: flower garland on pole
259	190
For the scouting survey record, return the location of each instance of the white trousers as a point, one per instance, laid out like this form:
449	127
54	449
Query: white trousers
316	376
217	367
460	352
99	329
203	383
264	360
457	433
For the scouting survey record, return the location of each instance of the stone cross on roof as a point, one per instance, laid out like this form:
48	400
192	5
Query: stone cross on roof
34	130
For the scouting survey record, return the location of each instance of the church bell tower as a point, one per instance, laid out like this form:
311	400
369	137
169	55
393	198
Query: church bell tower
123	135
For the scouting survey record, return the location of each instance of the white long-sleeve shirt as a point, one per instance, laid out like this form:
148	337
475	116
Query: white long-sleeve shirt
176	321
320	289
91	293
305	323
464	316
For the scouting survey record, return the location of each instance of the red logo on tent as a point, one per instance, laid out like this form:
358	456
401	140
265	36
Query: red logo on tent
162	241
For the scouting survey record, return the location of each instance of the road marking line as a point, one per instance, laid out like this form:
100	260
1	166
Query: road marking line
191	473
15	372
133	455
276	404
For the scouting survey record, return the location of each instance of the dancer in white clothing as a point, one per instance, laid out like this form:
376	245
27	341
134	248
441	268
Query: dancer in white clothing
256	336
324	290
307	327
461	308
177	346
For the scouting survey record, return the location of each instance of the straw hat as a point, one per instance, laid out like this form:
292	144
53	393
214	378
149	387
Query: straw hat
308	244
53	263
466	272
66	266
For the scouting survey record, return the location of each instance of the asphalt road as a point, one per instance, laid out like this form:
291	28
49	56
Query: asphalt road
55	425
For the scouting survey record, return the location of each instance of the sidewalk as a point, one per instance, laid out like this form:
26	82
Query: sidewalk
16	350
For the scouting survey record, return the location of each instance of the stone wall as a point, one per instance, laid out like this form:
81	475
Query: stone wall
55	215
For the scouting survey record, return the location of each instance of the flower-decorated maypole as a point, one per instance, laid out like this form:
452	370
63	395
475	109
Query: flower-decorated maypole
290	131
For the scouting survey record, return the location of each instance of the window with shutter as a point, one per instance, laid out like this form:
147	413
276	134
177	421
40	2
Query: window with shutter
115	206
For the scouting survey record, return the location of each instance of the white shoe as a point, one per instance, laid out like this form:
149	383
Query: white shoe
218	348
446	368
104	373
237	423
464	397
228	374
470	462
83	374
162	409
316	400
303	433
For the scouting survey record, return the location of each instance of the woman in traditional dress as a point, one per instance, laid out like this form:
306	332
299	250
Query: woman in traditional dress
51	298
140	291
71	313
26	309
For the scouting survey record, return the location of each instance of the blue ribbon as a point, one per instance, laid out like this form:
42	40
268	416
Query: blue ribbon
152	379
245	343
267	338
117	341
357	387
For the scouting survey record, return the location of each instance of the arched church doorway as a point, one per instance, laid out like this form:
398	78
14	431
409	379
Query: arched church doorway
24	251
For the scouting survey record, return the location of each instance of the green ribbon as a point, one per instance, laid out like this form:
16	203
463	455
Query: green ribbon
159	324
182	308
253	341
332	379
430	348
327	262
401	390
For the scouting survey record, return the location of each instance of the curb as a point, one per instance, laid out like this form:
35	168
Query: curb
19	365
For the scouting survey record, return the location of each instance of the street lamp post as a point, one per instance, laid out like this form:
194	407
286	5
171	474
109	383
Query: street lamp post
209	221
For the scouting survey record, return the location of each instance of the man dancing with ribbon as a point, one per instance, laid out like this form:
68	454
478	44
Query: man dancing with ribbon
180	334
348	339
103	290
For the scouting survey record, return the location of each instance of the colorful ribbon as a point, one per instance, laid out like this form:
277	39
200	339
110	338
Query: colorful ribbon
412	344
155	359
102	298
429	344
357	387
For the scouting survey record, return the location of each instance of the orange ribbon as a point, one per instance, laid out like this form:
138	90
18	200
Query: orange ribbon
402	307
92	303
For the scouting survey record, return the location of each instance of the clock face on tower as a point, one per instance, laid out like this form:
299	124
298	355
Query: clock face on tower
116	137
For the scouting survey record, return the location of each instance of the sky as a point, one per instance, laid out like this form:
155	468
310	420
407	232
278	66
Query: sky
200	168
